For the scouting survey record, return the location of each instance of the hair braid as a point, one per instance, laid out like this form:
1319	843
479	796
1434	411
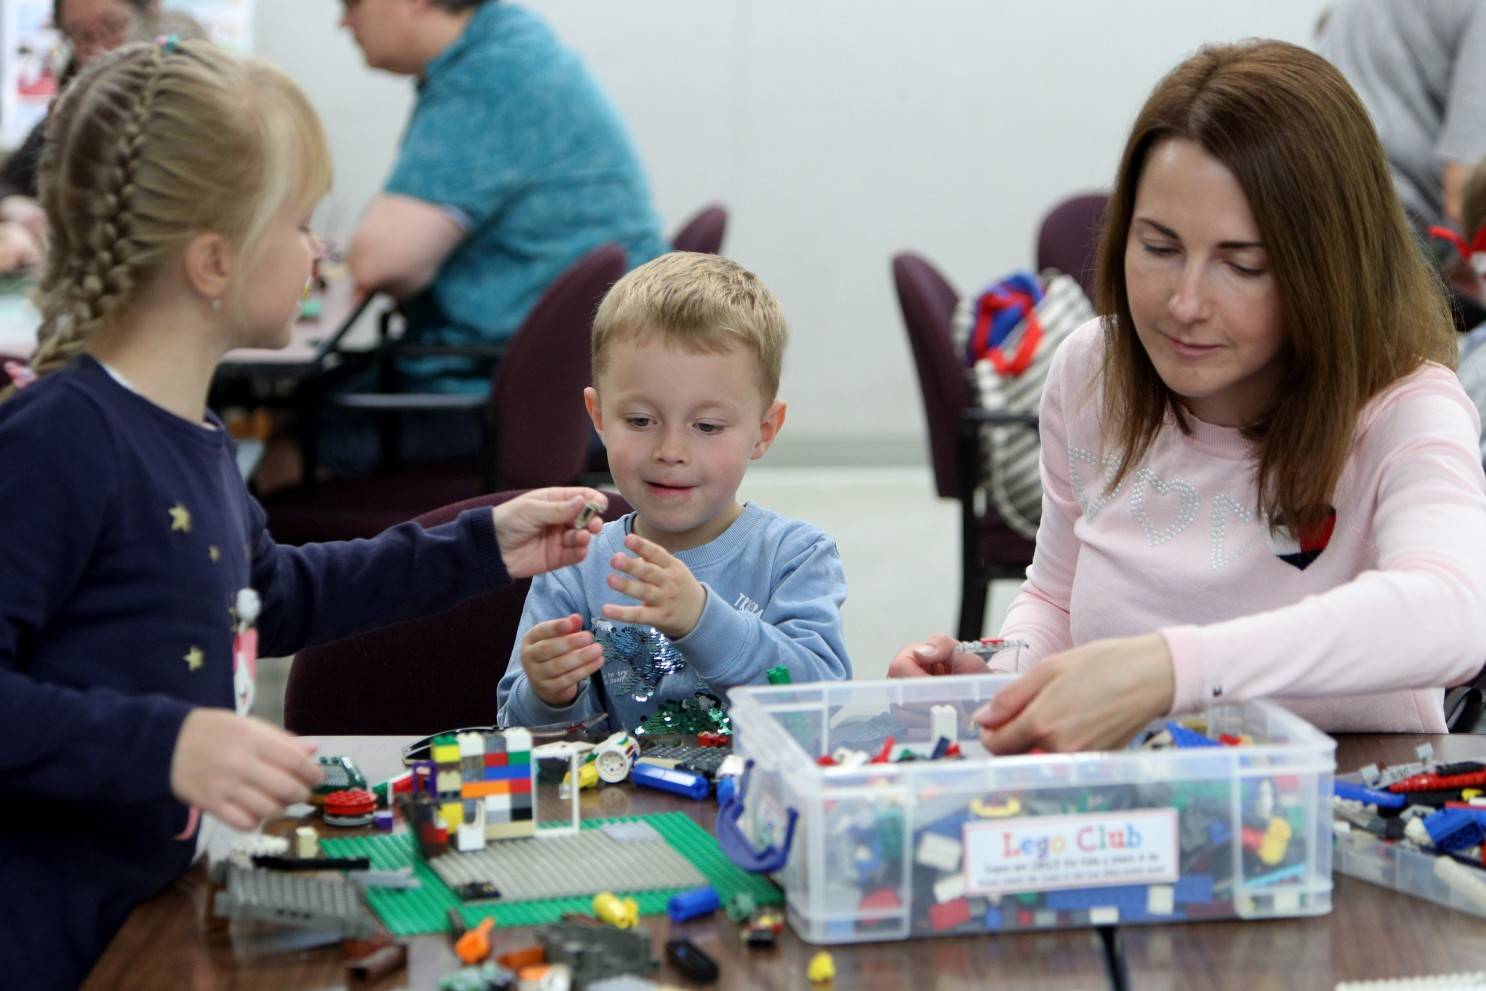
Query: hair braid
87	282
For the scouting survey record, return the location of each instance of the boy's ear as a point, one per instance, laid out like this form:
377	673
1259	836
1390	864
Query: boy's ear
209	261
769	429
595	412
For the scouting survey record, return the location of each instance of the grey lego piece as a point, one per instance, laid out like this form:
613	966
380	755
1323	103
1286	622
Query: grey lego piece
291	899
1398	772
1425	752
597	953
401	877
568	866
1369	774
627	982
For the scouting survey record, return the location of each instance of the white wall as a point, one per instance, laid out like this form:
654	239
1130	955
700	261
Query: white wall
837	132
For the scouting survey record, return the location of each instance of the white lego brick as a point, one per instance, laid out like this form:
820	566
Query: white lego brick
1104	915
517	740
471	836
939	852
448	781
943	723
471	745
949	887
306	842
1287	902
1160	899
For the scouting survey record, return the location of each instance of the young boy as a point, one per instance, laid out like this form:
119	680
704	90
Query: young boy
693	592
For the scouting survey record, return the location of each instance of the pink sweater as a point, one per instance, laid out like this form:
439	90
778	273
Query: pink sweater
1360	640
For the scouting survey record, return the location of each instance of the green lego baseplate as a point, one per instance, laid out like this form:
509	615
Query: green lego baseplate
417	911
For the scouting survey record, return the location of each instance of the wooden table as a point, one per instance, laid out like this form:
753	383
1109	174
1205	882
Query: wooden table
1372	932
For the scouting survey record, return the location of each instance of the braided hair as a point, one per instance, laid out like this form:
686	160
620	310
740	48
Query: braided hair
150	146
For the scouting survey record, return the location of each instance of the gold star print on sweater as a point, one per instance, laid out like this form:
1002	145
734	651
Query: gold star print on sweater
180	519
194	658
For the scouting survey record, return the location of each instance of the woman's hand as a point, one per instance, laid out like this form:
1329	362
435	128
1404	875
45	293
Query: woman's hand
1094	697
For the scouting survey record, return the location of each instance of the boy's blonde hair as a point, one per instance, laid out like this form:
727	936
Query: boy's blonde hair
151	145
700	303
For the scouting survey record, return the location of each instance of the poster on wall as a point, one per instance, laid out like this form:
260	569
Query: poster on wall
33	54
31	62
228	22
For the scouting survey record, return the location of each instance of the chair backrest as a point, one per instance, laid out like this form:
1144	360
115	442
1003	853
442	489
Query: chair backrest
539	427
703	232
6	359
1069	238
420	676
928	302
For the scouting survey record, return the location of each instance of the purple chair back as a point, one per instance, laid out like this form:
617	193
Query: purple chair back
419	676
540	428
928	302
703	232
1069	238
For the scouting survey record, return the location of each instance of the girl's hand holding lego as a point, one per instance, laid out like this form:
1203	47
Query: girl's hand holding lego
535	531
241	770
1094	697
558	656
935	656
671	597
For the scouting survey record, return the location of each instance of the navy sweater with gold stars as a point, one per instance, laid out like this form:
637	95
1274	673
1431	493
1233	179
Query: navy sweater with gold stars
125	534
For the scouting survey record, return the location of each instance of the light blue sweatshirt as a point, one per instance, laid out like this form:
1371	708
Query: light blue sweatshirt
774	593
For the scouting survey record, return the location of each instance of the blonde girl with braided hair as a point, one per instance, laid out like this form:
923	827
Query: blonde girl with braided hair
138	579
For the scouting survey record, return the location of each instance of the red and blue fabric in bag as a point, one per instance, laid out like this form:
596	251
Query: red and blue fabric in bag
1007	331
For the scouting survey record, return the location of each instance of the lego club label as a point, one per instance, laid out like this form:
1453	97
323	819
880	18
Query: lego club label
1075	851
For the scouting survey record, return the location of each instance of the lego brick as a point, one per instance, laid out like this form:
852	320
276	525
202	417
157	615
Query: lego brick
1106	915
939	852
497	760
509	830
949	915
518	739
452	814
949	888
481	789
292	899
511	772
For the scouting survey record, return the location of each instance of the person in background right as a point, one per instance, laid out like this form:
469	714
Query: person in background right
1465	268
1261	478
1420	70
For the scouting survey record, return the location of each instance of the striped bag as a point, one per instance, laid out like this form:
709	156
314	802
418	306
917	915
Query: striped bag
1008	334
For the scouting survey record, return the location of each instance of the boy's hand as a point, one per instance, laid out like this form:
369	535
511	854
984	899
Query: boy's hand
535	530
558	656
241	770
935	656
672	597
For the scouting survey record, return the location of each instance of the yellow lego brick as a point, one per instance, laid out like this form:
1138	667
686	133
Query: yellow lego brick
509	830
453	814
446	753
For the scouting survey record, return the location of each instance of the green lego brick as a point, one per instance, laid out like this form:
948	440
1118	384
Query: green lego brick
414	912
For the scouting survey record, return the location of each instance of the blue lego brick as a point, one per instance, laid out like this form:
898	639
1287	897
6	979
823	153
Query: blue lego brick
514	772
1219	832
1456	829
1194	889
1368	796
993	918
1130	899
1183	737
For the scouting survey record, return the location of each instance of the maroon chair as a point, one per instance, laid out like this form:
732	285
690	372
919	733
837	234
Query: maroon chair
1069	238
536	430
4	358
703	232
420	676
989	549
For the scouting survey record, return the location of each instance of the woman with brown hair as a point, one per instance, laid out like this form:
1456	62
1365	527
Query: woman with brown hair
1260	476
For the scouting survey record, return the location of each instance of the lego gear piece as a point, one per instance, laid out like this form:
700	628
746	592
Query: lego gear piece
350	807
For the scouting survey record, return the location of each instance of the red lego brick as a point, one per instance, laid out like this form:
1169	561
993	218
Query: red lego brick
948	915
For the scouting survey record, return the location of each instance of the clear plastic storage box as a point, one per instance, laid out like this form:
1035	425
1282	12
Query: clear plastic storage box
990	844
1409	869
